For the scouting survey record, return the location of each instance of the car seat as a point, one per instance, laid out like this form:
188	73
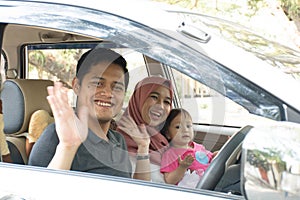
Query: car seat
20	98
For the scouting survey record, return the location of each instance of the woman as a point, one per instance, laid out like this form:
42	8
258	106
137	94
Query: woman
147	110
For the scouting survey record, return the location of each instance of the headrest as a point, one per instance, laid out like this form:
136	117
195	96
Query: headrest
20	98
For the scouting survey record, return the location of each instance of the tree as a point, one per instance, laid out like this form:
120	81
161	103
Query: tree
54	65
292	9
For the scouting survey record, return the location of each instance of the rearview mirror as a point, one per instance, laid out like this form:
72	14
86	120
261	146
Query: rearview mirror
271	162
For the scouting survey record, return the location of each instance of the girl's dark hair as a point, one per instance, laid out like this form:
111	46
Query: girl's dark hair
173	113
94	56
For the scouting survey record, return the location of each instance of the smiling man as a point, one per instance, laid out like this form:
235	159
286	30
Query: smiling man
82	140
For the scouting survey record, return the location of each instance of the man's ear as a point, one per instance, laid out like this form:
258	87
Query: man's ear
76	85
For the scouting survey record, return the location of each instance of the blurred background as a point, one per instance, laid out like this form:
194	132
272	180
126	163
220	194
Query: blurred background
277	20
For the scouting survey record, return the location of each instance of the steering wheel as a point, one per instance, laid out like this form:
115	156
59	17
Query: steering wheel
216	169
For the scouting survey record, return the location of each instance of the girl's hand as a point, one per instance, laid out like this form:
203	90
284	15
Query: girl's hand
186	162
215	154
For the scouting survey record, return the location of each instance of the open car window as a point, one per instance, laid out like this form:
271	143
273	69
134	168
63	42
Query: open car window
205	105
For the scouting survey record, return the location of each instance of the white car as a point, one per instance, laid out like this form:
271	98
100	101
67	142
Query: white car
241	102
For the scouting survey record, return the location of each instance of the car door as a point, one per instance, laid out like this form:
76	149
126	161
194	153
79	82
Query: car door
222	93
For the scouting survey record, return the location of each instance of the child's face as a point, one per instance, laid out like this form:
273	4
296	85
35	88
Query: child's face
181	130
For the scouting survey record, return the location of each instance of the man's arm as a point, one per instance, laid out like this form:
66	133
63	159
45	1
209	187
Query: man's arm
63	157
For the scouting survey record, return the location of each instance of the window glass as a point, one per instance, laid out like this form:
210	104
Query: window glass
58	62
210	107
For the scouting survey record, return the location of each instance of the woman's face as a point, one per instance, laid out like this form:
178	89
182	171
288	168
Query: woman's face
157	106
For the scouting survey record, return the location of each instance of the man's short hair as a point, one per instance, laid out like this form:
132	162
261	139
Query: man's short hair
94	56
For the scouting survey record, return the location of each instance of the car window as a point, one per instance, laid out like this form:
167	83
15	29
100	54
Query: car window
58	62
205	104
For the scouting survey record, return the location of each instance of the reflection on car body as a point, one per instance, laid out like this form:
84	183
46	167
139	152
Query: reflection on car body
275	165
246	99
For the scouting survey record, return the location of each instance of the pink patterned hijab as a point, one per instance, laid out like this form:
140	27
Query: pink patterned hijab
141	92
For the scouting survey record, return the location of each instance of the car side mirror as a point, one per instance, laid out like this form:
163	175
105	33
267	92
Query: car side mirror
271	162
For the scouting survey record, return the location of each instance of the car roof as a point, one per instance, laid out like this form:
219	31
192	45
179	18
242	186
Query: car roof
134	8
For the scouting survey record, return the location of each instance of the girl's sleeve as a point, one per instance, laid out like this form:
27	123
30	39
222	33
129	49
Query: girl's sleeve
168	163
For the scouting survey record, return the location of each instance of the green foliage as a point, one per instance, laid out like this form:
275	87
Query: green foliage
264	159
38	58
254	6
190	4
292	8
54	65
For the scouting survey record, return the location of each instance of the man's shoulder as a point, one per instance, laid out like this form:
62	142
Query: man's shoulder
50	128
49	134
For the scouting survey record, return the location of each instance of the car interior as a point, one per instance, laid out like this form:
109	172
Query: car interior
23	95
17	95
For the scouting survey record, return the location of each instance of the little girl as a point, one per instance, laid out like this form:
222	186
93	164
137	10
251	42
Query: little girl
184	161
